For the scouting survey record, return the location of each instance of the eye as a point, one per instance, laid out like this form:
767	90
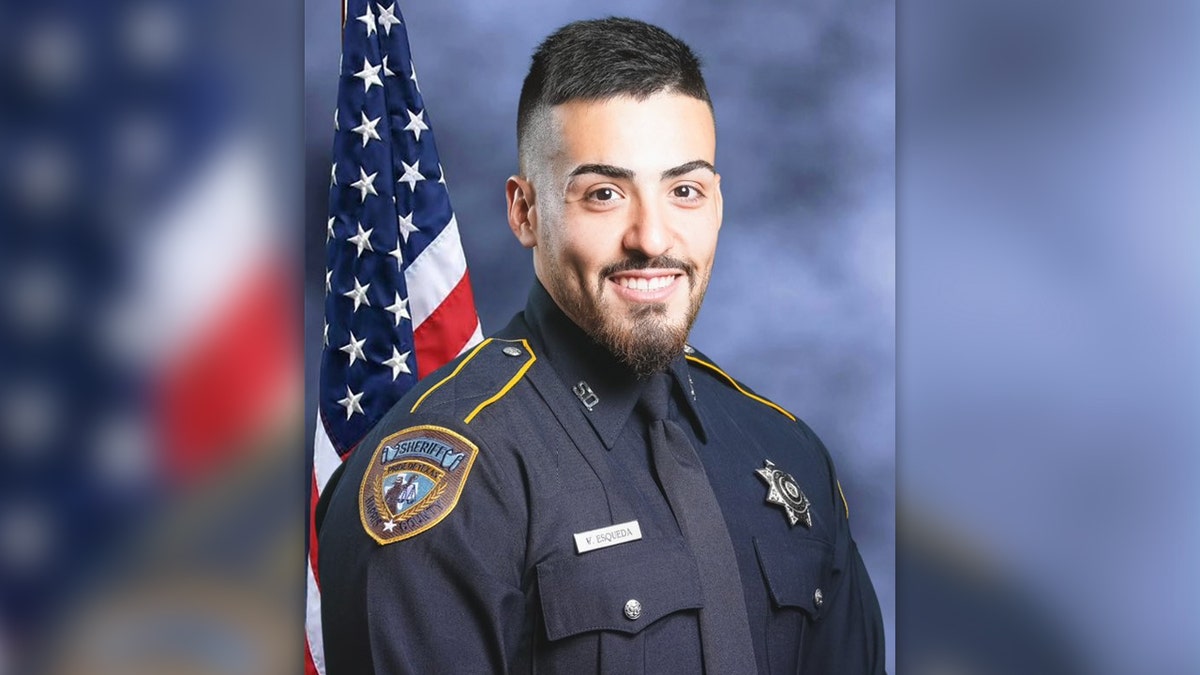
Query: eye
685	192
602	195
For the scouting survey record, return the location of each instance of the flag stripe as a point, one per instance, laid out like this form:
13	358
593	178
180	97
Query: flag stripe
435	273
444	334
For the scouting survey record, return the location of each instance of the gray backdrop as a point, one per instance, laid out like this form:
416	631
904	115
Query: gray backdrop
802	302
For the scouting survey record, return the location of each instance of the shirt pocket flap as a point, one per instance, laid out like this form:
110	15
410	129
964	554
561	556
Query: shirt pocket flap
592	591
797	572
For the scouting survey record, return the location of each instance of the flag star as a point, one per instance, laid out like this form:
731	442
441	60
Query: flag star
333	175
389	526
367	129
325	332
366	183
387	17
369	75
406	227
399	309
354	348
369	20
413	69
336	126
362	240
358	294
387	72
416	123
329	230
328	280
441	174
412	174
398	363
351	403
398	255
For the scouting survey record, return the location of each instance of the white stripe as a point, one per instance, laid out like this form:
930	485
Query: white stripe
435	273
325	457
312	622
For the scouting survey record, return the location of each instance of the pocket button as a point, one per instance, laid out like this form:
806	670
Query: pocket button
633	610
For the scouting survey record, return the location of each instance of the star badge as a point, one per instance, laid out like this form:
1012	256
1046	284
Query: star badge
783	491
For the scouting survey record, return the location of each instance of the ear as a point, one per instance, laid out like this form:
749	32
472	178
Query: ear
522	210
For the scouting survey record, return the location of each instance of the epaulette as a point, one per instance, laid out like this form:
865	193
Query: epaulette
693	355
480	378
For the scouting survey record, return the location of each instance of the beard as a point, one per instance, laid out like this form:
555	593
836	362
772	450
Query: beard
645	340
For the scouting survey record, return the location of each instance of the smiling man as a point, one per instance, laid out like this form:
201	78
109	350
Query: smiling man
586	492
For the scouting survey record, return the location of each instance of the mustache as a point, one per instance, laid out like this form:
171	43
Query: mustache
659	262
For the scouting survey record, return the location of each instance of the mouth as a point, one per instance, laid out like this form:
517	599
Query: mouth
647	285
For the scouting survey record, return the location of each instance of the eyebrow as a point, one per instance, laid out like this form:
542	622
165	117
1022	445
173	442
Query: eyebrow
620	173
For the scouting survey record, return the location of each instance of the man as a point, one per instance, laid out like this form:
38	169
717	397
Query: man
596	495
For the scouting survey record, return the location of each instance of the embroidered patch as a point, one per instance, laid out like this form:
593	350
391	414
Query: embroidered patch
415	479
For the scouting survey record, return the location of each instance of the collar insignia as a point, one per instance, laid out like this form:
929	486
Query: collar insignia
783	491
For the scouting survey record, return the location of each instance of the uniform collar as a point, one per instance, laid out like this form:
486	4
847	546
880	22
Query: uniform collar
575	357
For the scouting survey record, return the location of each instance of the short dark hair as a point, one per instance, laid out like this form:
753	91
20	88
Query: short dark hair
598	59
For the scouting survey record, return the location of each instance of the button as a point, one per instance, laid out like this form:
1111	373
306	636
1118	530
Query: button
688	349
633	610
818	598
511	351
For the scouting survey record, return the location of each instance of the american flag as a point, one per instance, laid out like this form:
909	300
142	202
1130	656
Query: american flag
398	301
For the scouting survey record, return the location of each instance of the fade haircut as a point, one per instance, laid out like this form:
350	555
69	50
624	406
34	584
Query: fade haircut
599	59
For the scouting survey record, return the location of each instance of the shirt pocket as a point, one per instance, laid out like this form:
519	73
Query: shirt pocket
798	574
623	608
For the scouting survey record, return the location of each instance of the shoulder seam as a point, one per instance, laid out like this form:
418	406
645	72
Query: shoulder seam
449	377
739	387
509	385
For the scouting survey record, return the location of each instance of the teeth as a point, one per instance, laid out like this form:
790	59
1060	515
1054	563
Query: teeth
643	284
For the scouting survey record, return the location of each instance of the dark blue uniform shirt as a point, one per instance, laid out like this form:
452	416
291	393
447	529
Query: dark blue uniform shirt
491	579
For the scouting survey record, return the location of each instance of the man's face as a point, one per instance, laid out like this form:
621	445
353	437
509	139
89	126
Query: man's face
622	209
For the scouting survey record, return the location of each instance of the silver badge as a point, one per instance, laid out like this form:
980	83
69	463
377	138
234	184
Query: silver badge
783	490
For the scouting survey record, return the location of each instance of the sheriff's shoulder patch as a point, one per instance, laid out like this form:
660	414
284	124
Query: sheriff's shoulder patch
415	479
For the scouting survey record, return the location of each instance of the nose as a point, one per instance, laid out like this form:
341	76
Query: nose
648	232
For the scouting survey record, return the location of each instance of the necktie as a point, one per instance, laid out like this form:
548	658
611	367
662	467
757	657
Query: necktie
724	627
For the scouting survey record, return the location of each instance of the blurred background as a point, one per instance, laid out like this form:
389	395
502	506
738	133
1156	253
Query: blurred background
802	302
1047	337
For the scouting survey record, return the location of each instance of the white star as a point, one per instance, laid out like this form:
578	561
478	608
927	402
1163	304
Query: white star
387	72
362	240
412	174
365	183
325	332
333	175
387	17
398	363
350	403
329	230
406	227
398	255
369	75
358	294
354	348
399	309
413	69
441	174
389	526
367	129
328	280
368	19
416	123
336	126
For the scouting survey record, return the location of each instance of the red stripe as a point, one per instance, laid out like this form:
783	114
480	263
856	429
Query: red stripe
221	389
444	334
310	668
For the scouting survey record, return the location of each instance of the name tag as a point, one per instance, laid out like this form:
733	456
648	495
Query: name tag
607	536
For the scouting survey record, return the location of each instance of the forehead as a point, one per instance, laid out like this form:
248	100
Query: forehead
661	131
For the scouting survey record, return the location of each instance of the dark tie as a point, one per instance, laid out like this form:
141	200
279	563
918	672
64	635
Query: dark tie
724	628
